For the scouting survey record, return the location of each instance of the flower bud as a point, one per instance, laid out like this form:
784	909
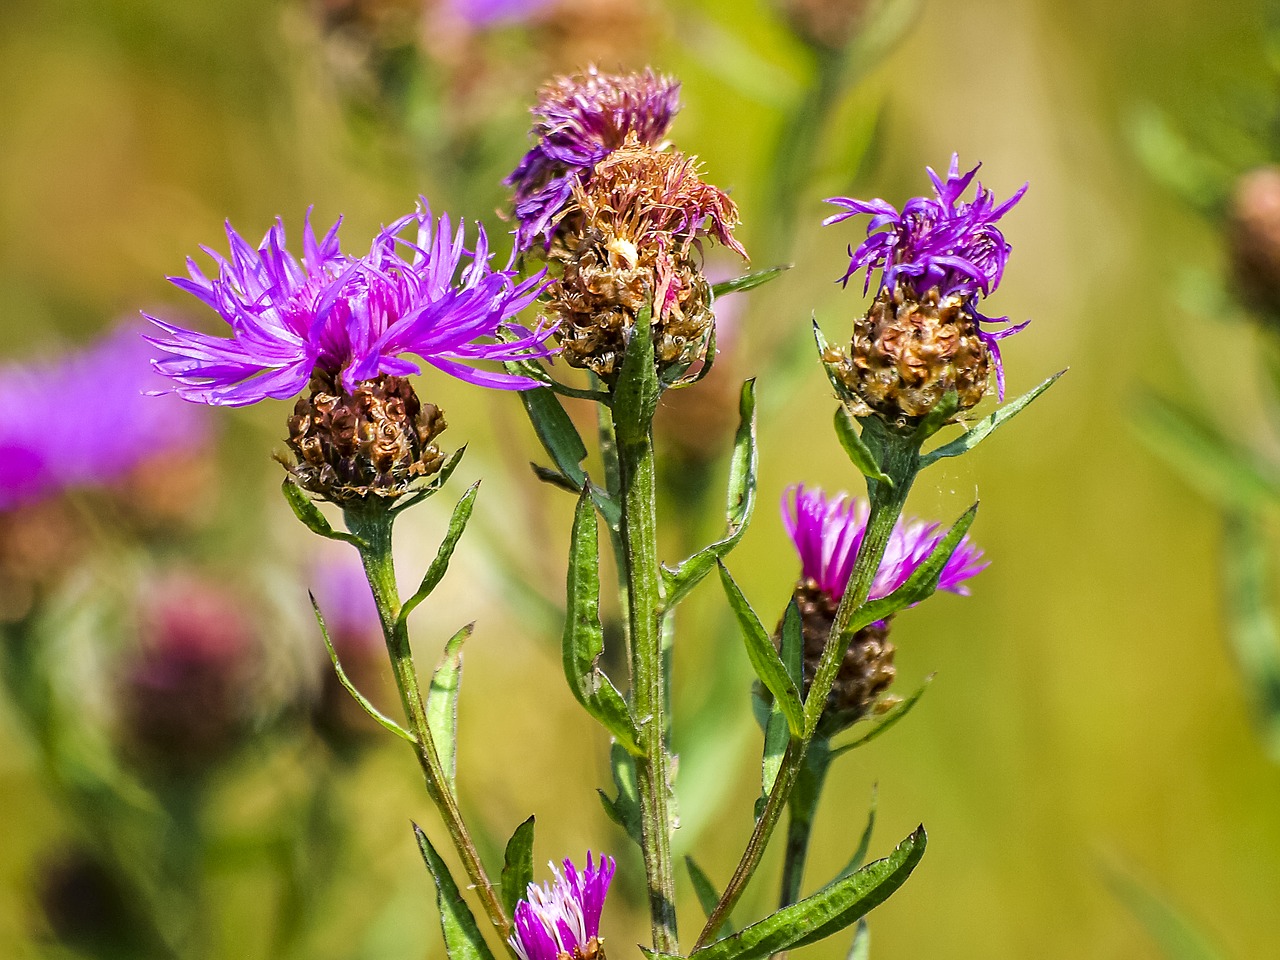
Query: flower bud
826	24
1253	239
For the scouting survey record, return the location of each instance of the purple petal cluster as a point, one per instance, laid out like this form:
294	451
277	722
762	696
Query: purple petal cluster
481	14
85	420
423	294
579	121
561	918
828	532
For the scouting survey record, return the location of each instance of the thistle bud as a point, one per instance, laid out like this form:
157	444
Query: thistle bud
923	336
1253	238
375	440
826	24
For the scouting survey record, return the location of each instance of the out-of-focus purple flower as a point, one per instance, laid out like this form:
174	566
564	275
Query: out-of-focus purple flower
828	532
580	120
939	242
480	14
562	918
423	294
85	420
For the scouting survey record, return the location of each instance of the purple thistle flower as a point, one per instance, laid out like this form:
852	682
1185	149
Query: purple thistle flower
562	918
940	241
425	295
85	420
828	533
482	14
580	121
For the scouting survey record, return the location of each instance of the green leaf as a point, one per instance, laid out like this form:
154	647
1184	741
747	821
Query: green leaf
583	641
431	485
706	891
861	946
923	581
635	394
864	842
748	282
841	391
859	453
347	685
624	810
462	939
891	717
1177	937
435	573
556	431
442	704
517	866
1214	465
1252	624
984	427
764	658
739	506
305	509
831	909
938	417
777	736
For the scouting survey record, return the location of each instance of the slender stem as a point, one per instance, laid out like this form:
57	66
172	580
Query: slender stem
373	526
900	460
644	601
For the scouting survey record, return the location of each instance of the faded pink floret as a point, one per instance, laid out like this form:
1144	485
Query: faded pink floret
563	916
418	292
828	532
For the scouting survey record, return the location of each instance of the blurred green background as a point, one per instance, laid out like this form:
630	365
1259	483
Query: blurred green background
1086	715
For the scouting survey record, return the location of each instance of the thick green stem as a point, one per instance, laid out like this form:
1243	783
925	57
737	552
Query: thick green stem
899	456
372	524
644	601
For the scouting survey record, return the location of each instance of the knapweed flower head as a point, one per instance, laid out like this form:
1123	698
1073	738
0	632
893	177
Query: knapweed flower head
580	120
84	420
350	319
924	335
638	226
827	533
561	919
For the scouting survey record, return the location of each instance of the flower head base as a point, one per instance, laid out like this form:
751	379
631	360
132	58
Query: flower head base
936	258
827	535
562	919
637	227
377	440
581	119
349	318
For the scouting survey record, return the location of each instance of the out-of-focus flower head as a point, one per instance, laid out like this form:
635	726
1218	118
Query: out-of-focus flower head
580	120
562	918
484	14
937	258
352	319
84	420
827	533
1253	240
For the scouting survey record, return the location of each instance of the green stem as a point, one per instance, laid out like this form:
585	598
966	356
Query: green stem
372	524
644	601
900	460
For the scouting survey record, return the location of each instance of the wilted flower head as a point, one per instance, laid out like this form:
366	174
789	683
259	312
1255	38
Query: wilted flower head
923	336
580	120
637	226
827	534
349	318
562	918
84	419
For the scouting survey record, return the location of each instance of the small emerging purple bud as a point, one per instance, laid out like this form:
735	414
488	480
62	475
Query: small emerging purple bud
561	919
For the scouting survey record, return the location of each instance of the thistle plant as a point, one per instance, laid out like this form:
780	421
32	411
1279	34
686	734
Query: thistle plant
619	221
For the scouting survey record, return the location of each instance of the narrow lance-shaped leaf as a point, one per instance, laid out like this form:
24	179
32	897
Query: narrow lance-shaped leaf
442	704
1253	634
583	641
517	866
435	573
560	438
887	721
462	939
748	282
841	391
350	687
856	448
984	427
1177	937
777	731
764	658
304	509
864	842
923	581
860	949
708	895
624	810
740	504
831	909
433	485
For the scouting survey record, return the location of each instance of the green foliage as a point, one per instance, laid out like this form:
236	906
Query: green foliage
704	889
442	704
984	427
1176	936
831	909
624	809
635	394
764	658
517	866
859	453
561	440
864	842
886	721
1253	634
305	509
748	282
440	565
462	939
